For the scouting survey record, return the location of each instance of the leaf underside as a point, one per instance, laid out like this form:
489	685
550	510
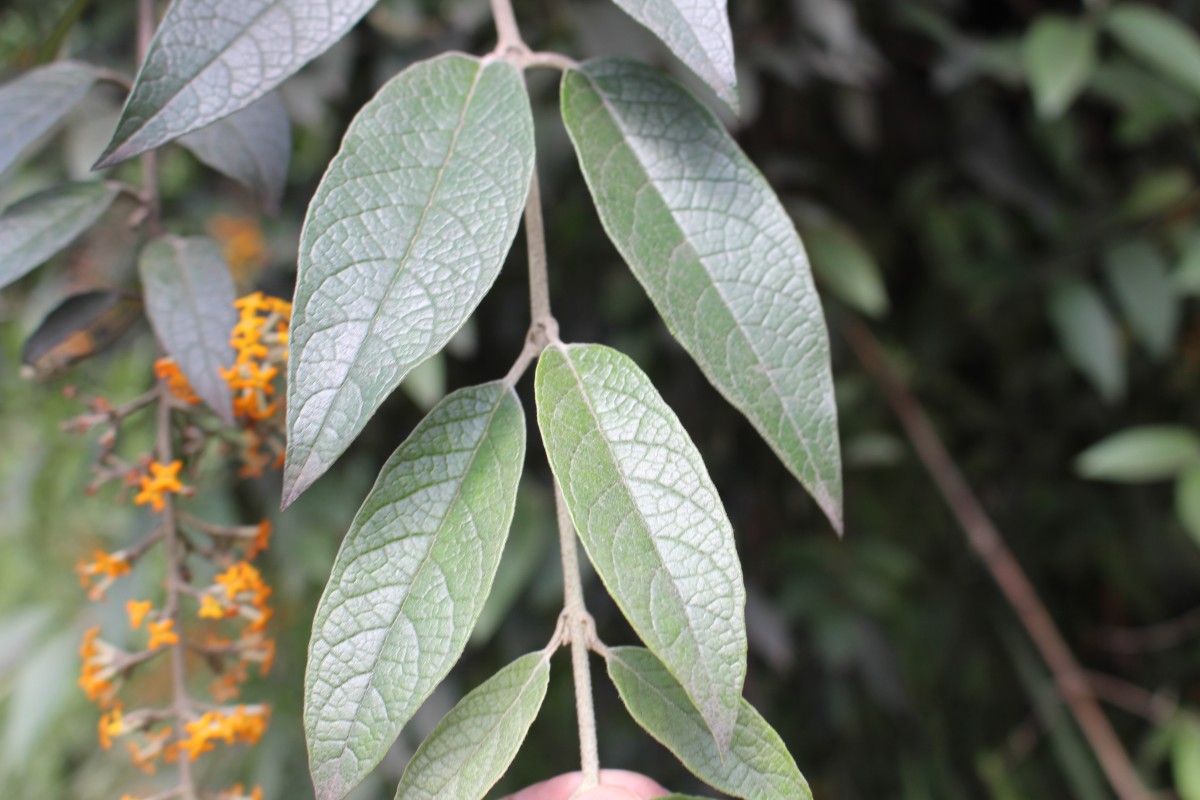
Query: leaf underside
252	146
407	232
472	747
410	580
697	32
211	58
34	229
717	254
650	519
757	765
189	297
31	104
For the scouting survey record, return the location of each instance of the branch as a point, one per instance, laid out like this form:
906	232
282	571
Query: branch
986	541
1160	636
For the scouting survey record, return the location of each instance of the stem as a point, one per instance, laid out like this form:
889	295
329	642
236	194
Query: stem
535	237
580	631
149	159
181	703
985	539
508	35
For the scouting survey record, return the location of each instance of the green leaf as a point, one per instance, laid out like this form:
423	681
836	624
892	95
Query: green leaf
78	328
1139	278
1060	55
1187	501
1186	276
1185	756
474	744
1158	39
758	765
697	31
717	255
845	266
650	519
1143	453
34	102
37	227
410	580
252	146
189	298
405	235
211	58
1088	337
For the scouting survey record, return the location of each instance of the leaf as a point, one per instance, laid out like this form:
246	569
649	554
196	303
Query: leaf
31	104
717	255
1142	453
410	580
79	327
1139	278
1186	276
697	32
844	265
1158	40
252	146
1059	54
472	747
37	227
1187	501
650	519
189	298
211	58
1088	337
406	234
758	765
1185	756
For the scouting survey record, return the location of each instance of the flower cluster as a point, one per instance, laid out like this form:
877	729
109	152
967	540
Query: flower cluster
215	604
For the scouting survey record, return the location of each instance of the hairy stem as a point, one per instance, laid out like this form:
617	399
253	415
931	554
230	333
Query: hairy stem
985	539
149	159
181	702
508	35
580	631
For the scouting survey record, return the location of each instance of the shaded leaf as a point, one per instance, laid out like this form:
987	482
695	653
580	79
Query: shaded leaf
1185	756
757	766
697	31
1139	279
32	103
1187	501
1088	337
1059	54
1143	453
410	580
405	235
474	744
211	58
35	228
252	146
77	328
844	265
650	519
717	254
1158	39
1186	276
189	298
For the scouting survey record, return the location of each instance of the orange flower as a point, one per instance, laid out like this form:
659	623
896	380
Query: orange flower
137	610
242	243
210	608
262	538
166	369
162	633
107	567
110	725
162	478
97	670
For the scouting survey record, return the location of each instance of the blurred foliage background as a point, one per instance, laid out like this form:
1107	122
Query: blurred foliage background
1007	188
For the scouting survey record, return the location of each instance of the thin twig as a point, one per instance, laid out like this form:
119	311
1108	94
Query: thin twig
539	281
985	539
1160	636
1123	694
508	35
580	631
149	159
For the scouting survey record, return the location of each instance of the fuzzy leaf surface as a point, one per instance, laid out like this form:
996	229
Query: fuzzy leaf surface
252	146
472	747
189	298
211	58
410	580
697	31
405	235
1059	53
35	228
1141	282
32	103
650	520
716	253
757	766
1158	39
